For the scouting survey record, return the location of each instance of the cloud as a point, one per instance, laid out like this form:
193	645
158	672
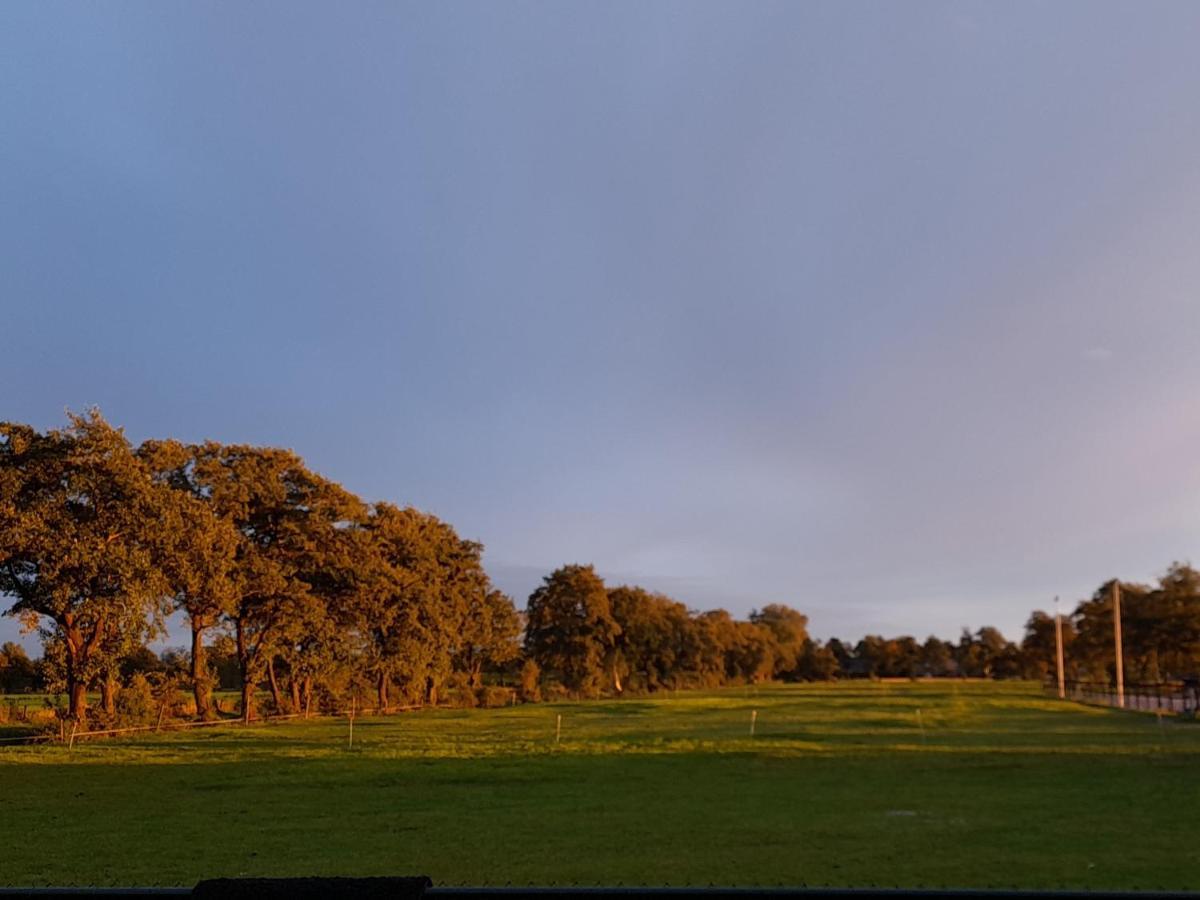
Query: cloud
1098	354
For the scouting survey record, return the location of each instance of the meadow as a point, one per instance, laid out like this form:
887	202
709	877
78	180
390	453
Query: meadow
942	784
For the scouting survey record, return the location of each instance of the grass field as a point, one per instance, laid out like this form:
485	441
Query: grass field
841	785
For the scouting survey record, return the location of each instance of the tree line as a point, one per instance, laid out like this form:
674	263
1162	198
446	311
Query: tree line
293	586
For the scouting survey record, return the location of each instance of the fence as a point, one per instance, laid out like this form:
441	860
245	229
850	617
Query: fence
1173	697
68	733
378	889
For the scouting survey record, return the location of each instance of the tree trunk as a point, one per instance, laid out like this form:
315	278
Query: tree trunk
276	695
243	653
431	696
617	679
76	698
247	700
307	696
76	657
384	705
108	693
200	686
295	686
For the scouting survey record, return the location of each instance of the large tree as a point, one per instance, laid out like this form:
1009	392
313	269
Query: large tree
84	533
570	629
490	635
656	643
422	603
289	556
790	630
201	571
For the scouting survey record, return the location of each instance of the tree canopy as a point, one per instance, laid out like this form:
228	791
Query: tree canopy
293	586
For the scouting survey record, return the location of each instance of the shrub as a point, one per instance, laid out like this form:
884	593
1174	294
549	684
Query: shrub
493	696
531	682
136	704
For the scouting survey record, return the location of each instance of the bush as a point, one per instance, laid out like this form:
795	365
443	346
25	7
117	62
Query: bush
459	691
531	682
492	696
136	704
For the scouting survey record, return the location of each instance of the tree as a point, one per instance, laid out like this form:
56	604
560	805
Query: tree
201	571
847	662
18	673
83	535
570	629
937	657
790	630
655	644
751	656
714	637
871	652
817	662
425	604
290	561
1039	646
1171	624
1094	644
490	635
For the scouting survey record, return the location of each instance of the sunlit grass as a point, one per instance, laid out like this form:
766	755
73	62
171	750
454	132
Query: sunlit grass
940	783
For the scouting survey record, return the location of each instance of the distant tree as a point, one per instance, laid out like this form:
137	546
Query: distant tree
18	673
847	662
1171	642
872	655
655	644
1039	645
817	662
712	639
937	657
490	636
531	682
140	660
1093	646
790	631
570	629
752	656
221	654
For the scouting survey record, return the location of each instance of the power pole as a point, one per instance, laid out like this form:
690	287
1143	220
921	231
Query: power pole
1117	639
1058	647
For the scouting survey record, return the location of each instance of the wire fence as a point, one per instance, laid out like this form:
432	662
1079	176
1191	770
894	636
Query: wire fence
69	733
380	888
1172	697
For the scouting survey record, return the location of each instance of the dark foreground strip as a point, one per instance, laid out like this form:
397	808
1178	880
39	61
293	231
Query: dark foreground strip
415	889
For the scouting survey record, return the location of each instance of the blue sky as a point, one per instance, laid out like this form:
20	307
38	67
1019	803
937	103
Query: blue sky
886	311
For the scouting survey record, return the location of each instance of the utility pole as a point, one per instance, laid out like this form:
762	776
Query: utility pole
1062	692
1117	639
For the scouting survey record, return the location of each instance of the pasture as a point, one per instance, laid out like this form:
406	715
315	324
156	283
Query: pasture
936	784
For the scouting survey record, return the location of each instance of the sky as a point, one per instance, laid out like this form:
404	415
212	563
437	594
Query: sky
886	311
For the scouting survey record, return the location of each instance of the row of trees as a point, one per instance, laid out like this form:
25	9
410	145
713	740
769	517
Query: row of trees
310	591
100	542
1160	626
593	637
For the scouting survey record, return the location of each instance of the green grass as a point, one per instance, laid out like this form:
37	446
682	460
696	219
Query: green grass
839	786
